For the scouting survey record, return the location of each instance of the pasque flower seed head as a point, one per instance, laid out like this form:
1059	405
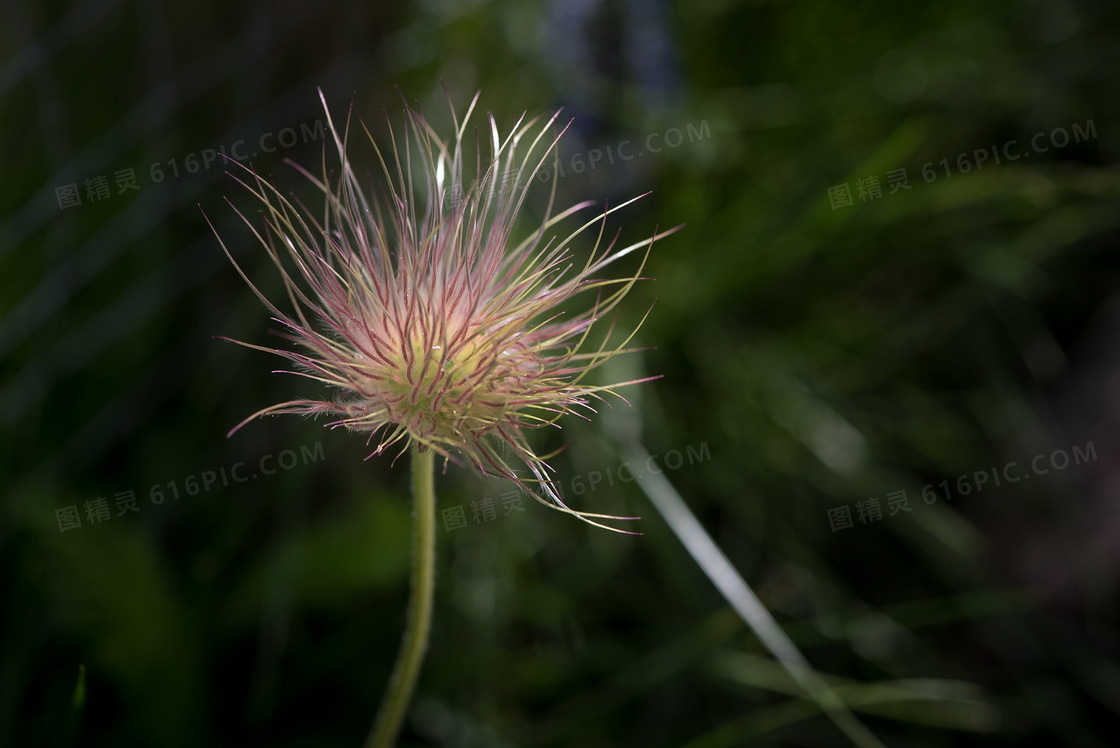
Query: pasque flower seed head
421	311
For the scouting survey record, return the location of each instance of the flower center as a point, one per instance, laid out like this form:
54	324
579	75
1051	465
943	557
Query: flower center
443	392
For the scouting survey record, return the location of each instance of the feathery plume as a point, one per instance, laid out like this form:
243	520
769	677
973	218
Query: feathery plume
427	319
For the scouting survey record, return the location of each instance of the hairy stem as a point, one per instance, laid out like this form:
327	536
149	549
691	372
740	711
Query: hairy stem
419	624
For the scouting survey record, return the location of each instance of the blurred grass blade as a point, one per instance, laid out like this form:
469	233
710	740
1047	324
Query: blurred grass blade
938	702
625	426
79	698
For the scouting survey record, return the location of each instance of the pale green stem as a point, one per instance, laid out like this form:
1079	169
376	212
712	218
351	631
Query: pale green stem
419	623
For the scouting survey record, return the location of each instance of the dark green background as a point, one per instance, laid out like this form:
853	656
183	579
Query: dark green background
823	357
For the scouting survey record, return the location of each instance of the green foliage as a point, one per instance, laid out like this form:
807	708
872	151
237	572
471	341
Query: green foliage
825	356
